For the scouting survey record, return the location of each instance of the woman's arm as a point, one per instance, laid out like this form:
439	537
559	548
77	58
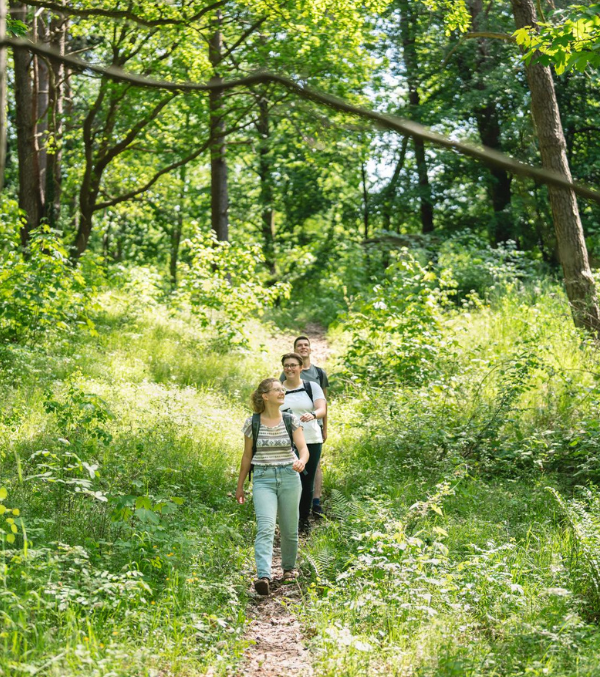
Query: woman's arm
300	443
320	411
244	469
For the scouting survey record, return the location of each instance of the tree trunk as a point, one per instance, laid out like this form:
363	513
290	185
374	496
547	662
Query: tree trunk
53	151
266	186
177	229
408	28
30	199
365	196
389	192
488	125
500	185
3	86
40	100
572	249
218	163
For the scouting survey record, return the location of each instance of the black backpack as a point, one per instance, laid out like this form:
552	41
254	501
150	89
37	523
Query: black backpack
287	419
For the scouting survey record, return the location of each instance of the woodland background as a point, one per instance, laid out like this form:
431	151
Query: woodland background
182	183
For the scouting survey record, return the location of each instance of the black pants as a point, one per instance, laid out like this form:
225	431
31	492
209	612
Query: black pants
308	480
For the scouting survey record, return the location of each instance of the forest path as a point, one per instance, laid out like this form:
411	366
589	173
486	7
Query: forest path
276	647
276	644
284	343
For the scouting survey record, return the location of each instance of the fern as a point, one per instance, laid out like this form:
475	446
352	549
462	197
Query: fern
323	563
583	521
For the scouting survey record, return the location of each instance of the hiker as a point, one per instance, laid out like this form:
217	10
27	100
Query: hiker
310	372
306	400
269	439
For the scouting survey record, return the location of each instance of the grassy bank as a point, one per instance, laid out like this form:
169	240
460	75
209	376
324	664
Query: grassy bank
118	451
449	552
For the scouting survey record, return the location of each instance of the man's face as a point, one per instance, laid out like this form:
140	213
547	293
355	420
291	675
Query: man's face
303	348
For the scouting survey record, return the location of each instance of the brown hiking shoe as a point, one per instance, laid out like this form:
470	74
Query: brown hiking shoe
263	586
290	575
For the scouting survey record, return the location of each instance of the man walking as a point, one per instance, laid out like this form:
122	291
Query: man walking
310	372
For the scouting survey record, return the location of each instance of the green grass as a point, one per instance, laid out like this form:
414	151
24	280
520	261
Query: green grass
444	555
102	594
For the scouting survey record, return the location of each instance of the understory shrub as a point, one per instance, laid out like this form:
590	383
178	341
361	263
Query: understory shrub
42	292
397	330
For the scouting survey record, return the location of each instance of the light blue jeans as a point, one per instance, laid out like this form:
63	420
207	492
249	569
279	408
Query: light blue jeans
276	492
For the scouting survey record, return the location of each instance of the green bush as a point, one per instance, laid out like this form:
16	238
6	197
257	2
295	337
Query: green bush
41	292
397	331
224	285
484	270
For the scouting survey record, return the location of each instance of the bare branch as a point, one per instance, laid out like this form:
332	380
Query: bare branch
388	122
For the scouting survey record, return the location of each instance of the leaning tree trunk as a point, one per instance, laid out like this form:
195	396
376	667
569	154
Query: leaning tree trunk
218	163
408	29
572	249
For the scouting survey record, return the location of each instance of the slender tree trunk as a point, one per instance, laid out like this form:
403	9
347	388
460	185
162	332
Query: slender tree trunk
572	249
30	199
177	229
3	87
488	125
390	189
408	27
40	100
56	88
365	196
266	185
218	162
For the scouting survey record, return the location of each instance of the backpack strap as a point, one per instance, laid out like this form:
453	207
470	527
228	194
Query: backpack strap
321	375
308	387
255	431
287	419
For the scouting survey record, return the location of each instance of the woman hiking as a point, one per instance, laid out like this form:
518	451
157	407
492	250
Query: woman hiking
268	451
307	401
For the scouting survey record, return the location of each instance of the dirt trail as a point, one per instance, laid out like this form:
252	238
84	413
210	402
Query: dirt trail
277	646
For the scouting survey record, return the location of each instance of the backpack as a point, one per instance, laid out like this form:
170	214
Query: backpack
287	419
309	391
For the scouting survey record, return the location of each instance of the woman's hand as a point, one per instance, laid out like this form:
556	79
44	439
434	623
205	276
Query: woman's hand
298	465
239	496
307	417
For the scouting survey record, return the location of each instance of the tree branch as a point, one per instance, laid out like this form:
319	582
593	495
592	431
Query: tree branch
131	194
123	14
388	122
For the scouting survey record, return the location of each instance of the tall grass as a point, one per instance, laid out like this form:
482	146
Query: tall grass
444	553
138	566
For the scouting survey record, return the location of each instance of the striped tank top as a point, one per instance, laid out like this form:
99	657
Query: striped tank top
273	446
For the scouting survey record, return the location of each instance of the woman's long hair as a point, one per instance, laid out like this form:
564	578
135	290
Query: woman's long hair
256	399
